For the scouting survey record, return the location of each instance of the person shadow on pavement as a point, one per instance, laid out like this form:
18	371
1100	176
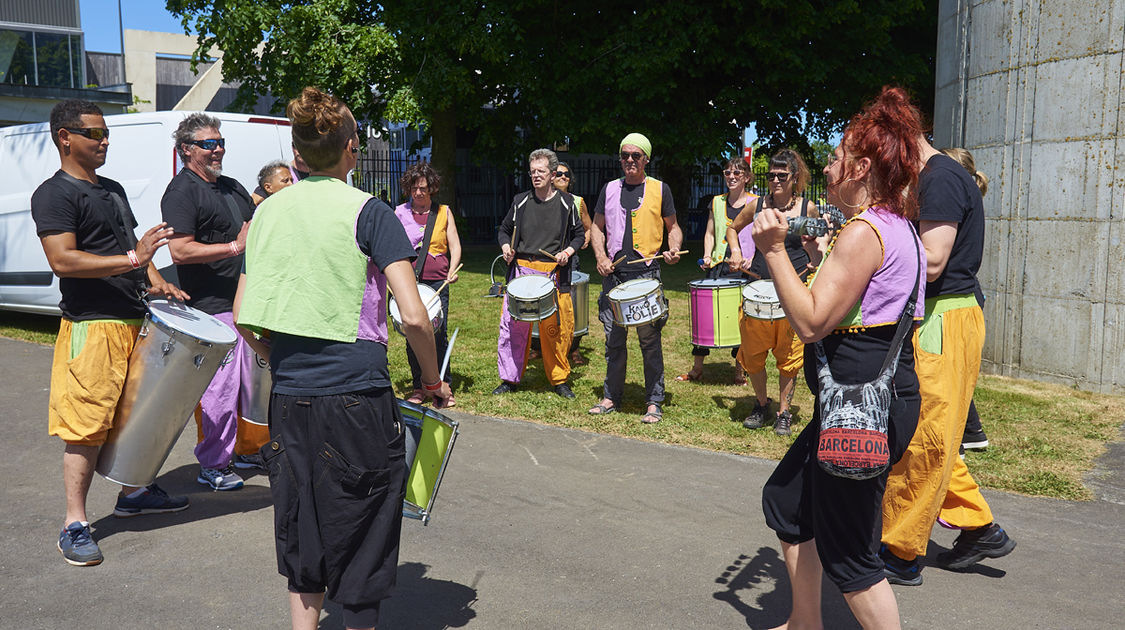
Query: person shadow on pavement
418	602
746	580
205	503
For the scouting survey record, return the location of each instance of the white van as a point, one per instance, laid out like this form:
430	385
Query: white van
141	157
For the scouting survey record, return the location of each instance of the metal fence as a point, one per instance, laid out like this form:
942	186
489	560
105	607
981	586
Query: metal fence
484	192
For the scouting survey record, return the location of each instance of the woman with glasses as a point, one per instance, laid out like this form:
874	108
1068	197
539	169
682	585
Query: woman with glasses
564	178
438	264
786	181
724	208
849	315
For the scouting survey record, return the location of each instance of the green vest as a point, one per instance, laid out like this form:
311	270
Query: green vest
305	274
721	222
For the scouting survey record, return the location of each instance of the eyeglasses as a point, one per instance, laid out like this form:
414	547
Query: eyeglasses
565	174
209	145
781	177
732	173
635	155
93	133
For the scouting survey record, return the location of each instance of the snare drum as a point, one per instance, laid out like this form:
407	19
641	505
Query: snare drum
261	382
429	442
637	302
427	293
178	351
532	298
714	312
759	300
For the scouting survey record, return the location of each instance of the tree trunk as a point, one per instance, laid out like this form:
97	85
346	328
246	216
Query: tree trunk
443	156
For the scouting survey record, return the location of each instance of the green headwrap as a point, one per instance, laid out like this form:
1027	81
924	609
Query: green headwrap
637	140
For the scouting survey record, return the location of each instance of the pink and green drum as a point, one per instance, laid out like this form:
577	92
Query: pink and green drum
715	304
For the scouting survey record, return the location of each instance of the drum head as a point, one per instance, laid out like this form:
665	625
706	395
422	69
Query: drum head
715	283
425	292
192	322
530	287
579	278
760	291
634	288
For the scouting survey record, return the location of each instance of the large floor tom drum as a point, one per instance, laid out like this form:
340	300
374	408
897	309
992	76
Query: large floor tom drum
177	353
430	436
714	312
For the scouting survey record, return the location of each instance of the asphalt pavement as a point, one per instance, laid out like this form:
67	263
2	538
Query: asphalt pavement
534	527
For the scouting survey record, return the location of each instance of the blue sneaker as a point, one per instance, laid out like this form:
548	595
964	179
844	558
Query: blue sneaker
78	547
153	501
899	571
220	479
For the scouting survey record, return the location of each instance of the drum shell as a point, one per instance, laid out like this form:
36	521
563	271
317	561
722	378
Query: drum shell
261	382
715	305
426	292
580	303
768	309
434	434
168	372
531	309
618	306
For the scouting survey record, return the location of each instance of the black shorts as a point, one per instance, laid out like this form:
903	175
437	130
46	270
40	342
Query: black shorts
338	477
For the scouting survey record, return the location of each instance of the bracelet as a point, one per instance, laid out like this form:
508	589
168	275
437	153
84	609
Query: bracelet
432	387
133	260
234	248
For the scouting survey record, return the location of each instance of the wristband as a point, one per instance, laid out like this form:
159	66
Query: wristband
133	260
234	248
432	387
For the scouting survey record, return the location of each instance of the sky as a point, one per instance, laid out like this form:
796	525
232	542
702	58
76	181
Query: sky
99	21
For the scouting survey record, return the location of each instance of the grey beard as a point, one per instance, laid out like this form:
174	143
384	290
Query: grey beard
214	171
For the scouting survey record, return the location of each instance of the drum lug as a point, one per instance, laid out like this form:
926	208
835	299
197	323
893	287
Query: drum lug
166	347
198	360
143	333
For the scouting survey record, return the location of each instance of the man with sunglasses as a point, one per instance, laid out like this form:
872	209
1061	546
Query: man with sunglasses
86	228
210	215
541	221
630	220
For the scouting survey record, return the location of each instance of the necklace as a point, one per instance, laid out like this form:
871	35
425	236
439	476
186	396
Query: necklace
788	206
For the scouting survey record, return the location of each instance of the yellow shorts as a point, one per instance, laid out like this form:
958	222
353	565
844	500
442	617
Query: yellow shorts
759	336
87	376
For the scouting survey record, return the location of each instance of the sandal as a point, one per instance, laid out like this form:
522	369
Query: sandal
656	416
601	410
690	377
449	402
417	397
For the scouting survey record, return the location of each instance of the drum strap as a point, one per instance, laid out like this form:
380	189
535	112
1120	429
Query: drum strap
424	249
235	215
119	224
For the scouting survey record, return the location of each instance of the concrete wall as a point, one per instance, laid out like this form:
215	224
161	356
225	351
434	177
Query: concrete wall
1035	90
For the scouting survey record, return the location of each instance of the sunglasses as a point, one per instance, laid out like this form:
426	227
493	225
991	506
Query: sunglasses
209	145
732	173
93	133
635	155
565	174
781	177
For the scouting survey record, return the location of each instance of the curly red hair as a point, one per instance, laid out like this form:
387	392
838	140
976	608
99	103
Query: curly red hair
886	131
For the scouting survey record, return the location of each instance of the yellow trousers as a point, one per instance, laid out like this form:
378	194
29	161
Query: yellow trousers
931	479
760	336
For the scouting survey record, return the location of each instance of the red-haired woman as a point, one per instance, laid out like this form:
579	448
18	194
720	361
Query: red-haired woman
826	523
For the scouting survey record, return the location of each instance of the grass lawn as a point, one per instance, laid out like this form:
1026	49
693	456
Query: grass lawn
1044	437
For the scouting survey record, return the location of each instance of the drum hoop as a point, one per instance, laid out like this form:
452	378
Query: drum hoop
173	331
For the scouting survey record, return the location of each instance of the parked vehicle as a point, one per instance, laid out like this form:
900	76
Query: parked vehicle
141	157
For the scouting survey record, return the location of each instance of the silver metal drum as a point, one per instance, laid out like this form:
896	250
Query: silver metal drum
532	298
432	304
178	351
261	382
580	299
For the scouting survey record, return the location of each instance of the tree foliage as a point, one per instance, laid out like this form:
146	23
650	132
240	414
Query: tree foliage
516	75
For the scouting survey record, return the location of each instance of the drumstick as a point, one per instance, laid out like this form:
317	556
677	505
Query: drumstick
435	296
448	352
617	262
547	254
681	252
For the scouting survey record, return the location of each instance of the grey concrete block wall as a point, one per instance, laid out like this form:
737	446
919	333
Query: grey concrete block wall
1036	90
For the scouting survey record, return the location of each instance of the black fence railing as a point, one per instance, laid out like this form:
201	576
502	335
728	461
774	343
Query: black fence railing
484	192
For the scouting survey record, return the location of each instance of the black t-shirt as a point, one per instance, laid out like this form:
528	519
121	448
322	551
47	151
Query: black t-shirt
631	195
304	366
65	204
793	246
192	205
947	192
548	225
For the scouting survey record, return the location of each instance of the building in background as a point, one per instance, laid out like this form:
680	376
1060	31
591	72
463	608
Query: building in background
43	61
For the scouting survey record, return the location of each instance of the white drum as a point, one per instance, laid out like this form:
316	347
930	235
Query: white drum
179	349
759	300
427	293
532	298
637	302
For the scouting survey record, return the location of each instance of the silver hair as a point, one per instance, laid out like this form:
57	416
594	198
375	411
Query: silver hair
268	170
539	154
188	127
